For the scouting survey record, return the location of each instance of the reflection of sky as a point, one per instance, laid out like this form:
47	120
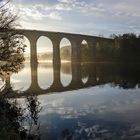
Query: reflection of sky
65	73
107	106
97	105
65	79
22	79
45	76
100	105
94	100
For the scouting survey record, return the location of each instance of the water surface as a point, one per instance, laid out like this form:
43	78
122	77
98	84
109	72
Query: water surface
82	101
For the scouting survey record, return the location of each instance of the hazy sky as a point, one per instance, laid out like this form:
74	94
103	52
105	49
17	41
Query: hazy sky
95	17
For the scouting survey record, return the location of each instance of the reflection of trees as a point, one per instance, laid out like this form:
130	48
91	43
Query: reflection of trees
33	107
45	65
67	135
66	68
10	119
122	75
125	76
13	117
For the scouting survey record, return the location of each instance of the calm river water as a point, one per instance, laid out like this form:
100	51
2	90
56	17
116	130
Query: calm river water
90	102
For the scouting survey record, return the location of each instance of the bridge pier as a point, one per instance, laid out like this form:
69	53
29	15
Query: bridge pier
76	62
56	78
56	52
33	48
76	75
92	49
76	51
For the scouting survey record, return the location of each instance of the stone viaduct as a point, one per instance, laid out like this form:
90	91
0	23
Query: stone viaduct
56	37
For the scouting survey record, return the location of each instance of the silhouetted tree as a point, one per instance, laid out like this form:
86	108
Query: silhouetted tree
11	58
11	43
113	36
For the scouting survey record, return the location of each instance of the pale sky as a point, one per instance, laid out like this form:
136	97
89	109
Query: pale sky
91	17
94	17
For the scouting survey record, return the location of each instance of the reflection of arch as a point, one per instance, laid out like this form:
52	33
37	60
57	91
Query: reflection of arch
45	75
84	73
99	74
19	80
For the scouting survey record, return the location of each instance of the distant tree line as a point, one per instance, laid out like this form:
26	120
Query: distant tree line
128	47
124	48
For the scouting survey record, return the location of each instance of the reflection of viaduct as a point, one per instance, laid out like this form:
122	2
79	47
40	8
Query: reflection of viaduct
76	82
125	76
56	37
